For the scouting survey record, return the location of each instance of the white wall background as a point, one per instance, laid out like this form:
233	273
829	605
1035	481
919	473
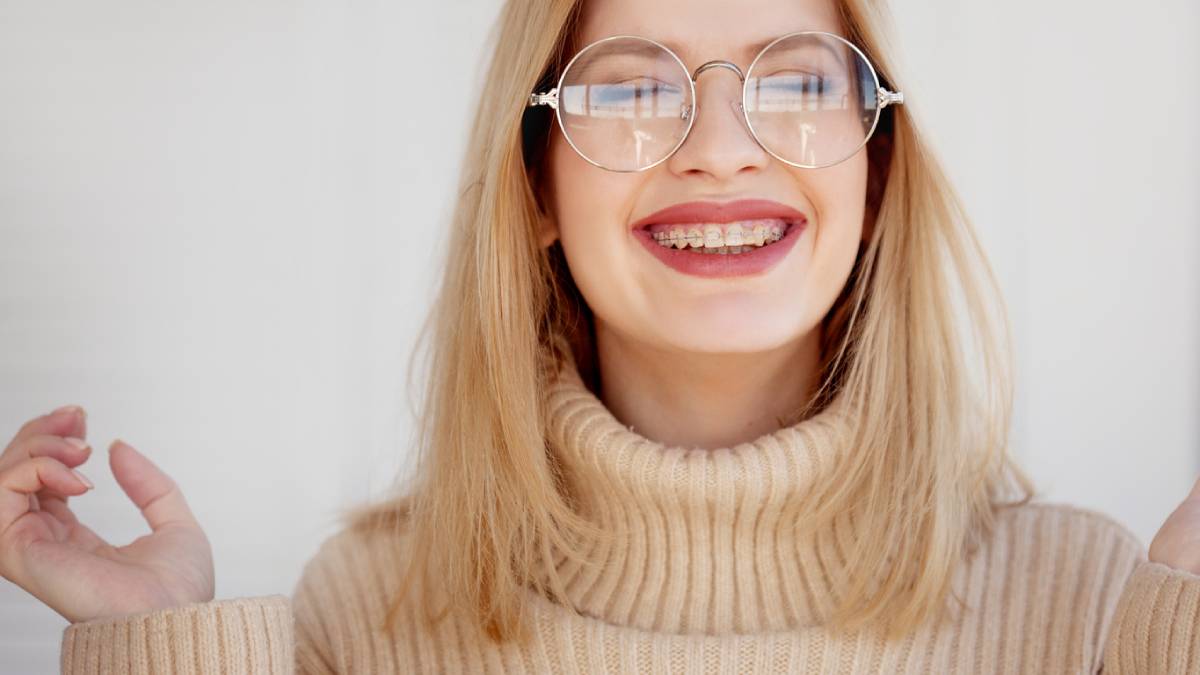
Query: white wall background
218	225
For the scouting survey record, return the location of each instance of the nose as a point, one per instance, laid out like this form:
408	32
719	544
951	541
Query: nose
719	145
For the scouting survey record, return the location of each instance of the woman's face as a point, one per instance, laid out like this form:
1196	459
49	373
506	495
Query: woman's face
595	212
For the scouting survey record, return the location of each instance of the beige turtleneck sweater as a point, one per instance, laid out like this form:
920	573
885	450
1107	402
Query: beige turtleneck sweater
706	576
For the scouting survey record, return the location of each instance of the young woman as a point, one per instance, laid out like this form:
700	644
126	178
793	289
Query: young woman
700	400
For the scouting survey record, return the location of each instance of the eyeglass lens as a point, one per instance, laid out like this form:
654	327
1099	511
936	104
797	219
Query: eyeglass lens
626	103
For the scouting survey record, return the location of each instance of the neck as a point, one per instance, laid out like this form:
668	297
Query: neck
704	400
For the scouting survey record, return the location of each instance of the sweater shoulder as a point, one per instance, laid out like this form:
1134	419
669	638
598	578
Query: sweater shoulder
363	559
1067	541
1051	575
342	599
356	543
1074	516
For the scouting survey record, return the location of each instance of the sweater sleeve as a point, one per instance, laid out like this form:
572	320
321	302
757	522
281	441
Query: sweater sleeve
1156	624
241	635
261	635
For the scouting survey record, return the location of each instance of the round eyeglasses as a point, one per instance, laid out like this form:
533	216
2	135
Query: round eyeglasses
626	103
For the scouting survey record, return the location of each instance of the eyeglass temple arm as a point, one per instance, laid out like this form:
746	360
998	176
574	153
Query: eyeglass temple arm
549	98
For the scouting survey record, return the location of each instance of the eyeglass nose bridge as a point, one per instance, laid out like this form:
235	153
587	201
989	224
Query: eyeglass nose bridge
719	63
716	63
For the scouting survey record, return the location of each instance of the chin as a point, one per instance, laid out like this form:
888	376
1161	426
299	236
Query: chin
746	336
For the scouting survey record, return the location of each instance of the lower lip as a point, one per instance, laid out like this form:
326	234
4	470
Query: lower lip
742	264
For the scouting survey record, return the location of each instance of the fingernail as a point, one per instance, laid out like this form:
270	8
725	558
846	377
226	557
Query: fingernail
77	442
83	479
67	408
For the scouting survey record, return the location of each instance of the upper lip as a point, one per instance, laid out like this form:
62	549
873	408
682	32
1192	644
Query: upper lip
718	212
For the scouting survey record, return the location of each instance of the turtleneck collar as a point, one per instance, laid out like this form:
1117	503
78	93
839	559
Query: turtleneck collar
705	541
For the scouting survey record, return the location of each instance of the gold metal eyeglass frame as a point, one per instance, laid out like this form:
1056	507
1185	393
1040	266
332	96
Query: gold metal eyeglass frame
884	97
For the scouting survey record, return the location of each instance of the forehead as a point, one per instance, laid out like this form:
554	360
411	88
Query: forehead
700	30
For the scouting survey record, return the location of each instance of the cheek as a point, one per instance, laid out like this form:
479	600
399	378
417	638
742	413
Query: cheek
839	200
576	192
592	208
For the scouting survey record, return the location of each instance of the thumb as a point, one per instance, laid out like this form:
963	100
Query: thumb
151	490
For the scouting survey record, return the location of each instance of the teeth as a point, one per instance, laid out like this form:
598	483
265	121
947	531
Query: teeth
733	236
712	236
720	239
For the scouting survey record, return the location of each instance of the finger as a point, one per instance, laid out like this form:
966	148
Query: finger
29	477
154	493
65	421
69	420
71	451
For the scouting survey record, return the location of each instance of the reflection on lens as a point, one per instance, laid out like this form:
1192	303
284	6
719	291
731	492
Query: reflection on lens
810	99
625	103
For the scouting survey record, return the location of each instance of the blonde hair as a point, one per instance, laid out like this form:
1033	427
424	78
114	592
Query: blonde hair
487	510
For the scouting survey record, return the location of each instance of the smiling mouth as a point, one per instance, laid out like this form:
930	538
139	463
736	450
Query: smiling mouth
731	238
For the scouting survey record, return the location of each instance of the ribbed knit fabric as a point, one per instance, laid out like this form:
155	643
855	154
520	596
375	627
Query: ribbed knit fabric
706	575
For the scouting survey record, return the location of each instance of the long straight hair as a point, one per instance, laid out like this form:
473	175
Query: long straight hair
918	339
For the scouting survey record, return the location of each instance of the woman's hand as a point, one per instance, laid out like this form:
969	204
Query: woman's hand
1177	543
46	551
